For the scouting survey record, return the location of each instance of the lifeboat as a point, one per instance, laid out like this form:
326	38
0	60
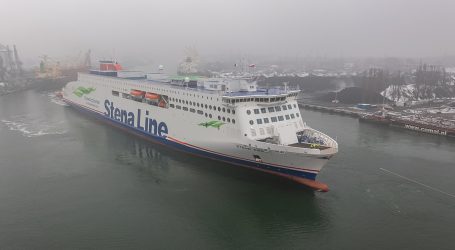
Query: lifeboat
152	96
137	93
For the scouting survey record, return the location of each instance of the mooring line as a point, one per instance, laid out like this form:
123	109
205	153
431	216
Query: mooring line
419	183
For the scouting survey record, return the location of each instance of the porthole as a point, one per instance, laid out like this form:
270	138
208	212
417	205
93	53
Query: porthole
248	112
251	122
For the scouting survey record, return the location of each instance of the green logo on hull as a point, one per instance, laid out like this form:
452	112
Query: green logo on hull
213	124
80	91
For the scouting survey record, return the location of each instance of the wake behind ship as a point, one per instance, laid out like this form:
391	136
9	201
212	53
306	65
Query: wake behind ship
229	120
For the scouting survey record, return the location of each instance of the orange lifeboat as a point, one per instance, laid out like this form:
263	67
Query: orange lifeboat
152	96
137	93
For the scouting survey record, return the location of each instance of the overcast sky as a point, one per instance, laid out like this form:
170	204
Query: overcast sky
162	29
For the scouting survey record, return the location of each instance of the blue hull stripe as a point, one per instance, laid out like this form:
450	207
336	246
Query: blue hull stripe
192	150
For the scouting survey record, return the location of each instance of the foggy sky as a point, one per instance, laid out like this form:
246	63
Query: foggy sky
160	30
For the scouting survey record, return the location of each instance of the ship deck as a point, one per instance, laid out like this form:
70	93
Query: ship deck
308	145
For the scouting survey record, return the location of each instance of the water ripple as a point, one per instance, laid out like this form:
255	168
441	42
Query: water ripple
33	127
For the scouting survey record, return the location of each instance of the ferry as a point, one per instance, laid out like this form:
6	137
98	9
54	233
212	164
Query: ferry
225	119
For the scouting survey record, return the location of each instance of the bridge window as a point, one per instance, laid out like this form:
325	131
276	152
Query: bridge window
271	109
256	111
289	106
192	110
178	107
297	114
278	108
200	112
292	116
274	119
287	117
280	118
263	110
284	107
171	105
259	121
185	108
266	120
115	93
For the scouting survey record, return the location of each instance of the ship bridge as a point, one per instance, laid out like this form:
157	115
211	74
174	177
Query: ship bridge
272	117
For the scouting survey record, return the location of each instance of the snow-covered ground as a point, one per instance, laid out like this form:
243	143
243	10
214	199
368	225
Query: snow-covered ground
410	93
399	93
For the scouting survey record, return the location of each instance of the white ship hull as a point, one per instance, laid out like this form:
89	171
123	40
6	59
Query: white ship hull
191	132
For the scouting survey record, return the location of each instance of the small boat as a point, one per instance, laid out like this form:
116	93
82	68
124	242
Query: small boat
137	93
152	96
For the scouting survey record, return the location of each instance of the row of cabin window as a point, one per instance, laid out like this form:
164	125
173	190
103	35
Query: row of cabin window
271	109
203	105
194	95
259	99
273	99
274	119
200	112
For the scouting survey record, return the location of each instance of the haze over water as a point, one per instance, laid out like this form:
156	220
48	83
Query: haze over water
68	181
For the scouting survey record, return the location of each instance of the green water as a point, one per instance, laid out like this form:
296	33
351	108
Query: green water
70	182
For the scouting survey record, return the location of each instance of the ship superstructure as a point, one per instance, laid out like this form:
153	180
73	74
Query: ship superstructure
226	119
